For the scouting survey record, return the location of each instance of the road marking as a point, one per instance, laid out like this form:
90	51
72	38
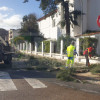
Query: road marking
35	83
91	91
6	83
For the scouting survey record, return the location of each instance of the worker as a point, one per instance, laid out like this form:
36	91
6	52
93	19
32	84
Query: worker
70	54
90	49
86	53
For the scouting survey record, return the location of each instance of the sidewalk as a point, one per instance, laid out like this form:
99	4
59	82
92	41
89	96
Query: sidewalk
93	60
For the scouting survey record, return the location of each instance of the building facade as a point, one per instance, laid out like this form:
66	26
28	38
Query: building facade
87	20
12	34
49	25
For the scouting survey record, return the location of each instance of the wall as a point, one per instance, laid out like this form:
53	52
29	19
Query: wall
80	5
98	45
49	29
93	12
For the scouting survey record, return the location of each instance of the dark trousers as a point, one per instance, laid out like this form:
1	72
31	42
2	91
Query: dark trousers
87	60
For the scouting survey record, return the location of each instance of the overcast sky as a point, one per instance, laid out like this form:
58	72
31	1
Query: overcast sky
12	12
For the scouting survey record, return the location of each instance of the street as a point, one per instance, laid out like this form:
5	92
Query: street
24	84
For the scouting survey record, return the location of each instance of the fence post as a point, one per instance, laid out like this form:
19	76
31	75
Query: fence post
42	49
20	46
23	46
26	47
61	50
78	49
77	45
50	48
35	47
30	47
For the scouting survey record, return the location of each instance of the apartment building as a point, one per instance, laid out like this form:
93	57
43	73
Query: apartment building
12	34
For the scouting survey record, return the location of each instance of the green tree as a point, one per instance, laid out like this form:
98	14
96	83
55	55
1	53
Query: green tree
29	28
29	25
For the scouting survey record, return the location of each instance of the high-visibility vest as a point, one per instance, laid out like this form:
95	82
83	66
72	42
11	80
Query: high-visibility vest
70	51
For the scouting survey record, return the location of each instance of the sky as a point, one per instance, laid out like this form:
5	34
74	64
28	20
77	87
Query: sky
12	12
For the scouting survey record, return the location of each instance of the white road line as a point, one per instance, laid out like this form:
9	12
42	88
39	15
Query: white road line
6	83
91	91
35	83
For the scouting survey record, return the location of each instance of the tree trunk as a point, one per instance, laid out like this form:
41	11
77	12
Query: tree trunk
66	8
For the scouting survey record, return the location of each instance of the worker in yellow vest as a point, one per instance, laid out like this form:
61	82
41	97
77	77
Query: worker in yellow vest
70	54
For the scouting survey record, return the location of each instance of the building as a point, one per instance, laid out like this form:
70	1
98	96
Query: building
12	34
87	21
49	25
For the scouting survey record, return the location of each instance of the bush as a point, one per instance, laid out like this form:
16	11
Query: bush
95	69
47	46
20	55
87	42
66	40
66	74
45	62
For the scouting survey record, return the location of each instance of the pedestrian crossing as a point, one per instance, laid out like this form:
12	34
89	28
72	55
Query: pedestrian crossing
7	84
35	83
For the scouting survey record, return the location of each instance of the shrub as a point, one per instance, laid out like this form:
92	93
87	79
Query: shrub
87	42
45	62
66	40
95	69
66	74
47	46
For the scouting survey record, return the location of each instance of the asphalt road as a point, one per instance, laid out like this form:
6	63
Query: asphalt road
22	84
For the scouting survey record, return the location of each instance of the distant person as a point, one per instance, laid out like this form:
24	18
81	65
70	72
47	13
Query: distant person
85	53
90	51
70	54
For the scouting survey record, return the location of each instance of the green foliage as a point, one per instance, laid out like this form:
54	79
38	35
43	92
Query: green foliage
39	46
62	23
66	40
95	69
18	39
47	6
46	62
87	42
21	55
66	74
29	28
47	46
73	16
29	25
27	38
